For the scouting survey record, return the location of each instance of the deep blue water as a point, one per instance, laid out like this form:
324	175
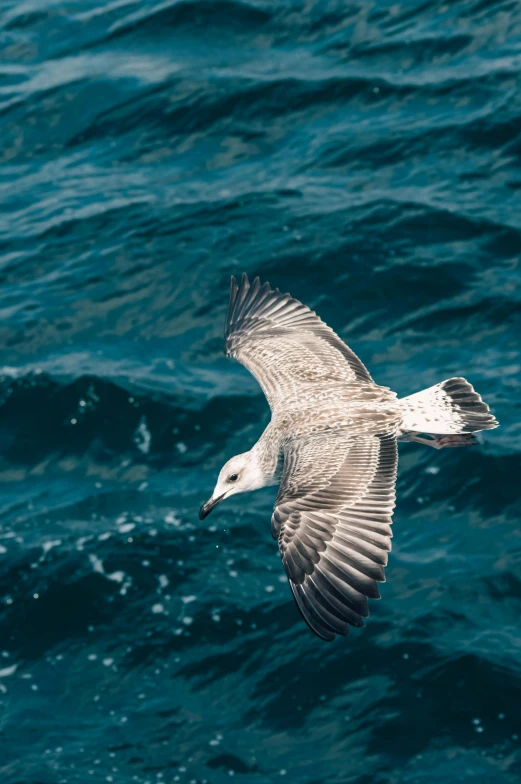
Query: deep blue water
364	156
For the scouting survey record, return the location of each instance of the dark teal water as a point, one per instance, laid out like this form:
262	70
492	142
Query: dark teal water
365	157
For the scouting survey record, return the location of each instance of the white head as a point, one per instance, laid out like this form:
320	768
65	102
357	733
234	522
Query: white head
239	475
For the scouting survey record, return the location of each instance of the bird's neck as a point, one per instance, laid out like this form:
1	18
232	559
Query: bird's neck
269	457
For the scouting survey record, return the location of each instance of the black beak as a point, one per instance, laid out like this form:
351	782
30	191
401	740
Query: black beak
206	508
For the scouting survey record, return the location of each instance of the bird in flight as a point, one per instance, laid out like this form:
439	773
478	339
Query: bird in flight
331	446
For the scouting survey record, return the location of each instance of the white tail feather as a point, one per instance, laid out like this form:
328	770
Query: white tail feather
450	407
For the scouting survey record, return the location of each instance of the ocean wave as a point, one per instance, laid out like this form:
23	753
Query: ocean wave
363	158
40	417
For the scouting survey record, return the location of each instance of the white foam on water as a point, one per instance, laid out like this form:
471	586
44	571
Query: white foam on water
142	436
46	546
164	582
118	576
7	671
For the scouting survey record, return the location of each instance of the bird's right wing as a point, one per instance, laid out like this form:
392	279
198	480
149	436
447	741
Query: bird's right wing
285	345
332	519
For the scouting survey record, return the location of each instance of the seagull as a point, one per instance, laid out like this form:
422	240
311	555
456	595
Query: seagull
331	446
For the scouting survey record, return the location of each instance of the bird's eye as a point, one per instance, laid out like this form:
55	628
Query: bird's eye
233	477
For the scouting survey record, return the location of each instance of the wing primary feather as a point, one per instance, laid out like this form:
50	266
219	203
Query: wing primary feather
359	581
323	594
254	313
357	600
324	609
231	305
354	600
315	626
241	296
293	566
335	595
312	616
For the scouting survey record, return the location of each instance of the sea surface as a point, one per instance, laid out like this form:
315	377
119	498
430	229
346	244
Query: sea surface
365	156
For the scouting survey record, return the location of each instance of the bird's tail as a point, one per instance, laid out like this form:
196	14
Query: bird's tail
450	407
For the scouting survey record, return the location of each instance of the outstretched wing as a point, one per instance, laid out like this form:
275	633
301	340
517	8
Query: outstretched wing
284	344
332	518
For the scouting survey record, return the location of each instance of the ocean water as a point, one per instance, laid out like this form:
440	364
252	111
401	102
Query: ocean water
364	156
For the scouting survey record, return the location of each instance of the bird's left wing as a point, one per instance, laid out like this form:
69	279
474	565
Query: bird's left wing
286	346
332	519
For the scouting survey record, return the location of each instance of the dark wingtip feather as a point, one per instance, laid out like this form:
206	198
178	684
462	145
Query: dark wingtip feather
319	628
469	404
244	296
233	296
234	288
